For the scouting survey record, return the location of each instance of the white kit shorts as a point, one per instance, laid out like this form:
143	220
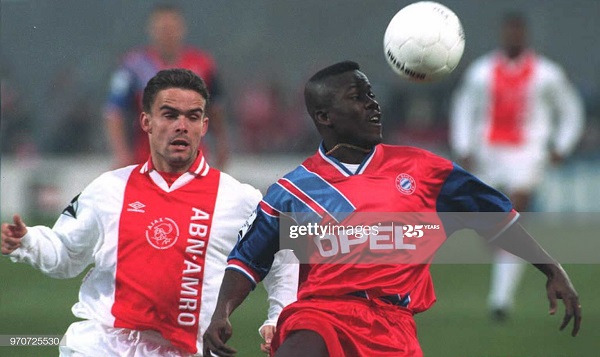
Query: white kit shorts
91	339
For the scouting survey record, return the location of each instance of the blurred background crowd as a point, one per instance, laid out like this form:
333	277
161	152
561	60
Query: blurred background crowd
58	58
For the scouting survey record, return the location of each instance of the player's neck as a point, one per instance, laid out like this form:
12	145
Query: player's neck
170	177
169	168
170	56
349	154
514	53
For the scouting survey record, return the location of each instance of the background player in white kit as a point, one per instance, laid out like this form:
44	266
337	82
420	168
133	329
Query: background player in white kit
158	235
515	112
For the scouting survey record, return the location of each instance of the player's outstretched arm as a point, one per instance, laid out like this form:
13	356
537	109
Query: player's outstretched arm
519	242
12	234
234	289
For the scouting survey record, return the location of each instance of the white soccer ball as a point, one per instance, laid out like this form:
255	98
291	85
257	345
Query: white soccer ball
424	41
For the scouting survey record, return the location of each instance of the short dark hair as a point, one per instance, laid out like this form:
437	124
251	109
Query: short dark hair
173	78
315	92
334	69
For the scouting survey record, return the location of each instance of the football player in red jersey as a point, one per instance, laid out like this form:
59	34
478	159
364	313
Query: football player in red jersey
167	49
157	233
364	309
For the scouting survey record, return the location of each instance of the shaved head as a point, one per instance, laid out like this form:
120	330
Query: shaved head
342	105
318	91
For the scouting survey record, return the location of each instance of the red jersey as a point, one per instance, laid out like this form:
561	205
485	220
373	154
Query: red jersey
391	180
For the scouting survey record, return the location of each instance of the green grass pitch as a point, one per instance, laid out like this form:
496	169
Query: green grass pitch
458	325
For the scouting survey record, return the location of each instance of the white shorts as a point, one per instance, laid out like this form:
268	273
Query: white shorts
91	339
510	169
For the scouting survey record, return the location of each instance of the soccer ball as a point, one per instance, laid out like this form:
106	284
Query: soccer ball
424	41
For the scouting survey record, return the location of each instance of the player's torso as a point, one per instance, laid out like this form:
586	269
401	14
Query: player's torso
159	264
395	191
518	91
389	186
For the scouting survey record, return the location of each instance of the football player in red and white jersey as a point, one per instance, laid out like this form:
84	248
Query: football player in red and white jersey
514	113
364	307
167	49
157	234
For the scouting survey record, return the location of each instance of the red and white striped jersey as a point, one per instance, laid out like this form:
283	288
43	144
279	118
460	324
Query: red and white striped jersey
514	103
158	251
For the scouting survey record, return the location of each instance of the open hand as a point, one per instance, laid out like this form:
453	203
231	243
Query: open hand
559	287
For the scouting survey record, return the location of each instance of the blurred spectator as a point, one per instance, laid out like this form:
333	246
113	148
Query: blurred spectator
590	141
167	49
515	112
16	128
260	114
301	137
268	121
68	115
417	117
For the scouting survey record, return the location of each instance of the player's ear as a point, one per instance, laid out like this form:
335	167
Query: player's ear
145	123
205	121
322	118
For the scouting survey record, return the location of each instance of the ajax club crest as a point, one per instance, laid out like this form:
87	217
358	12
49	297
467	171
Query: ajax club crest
406	184
162	233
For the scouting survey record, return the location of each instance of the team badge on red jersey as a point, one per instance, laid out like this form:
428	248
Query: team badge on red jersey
162	233
406	184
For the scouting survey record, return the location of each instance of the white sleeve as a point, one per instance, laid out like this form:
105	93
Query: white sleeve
67	249
463	112
281	284
570	114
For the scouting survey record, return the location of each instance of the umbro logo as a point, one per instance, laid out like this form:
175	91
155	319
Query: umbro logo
136	206
71	209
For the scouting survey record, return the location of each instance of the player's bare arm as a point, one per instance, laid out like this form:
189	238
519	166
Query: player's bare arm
234	289
12	234
558	286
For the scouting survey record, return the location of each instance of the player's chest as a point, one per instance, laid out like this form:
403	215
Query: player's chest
154	219
395	192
